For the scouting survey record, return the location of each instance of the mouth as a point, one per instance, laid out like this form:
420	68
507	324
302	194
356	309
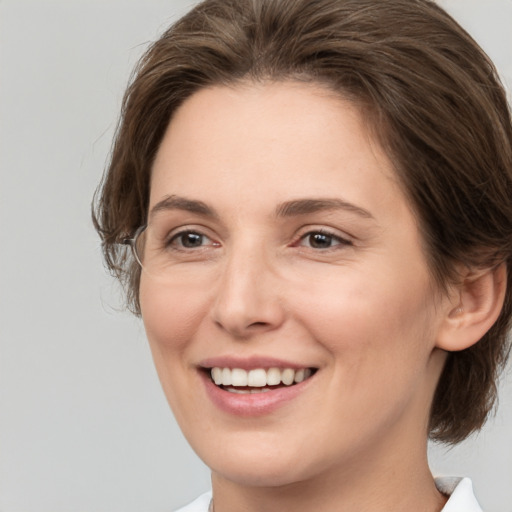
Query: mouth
257	380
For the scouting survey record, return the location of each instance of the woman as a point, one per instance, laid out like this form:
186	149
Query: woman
317	199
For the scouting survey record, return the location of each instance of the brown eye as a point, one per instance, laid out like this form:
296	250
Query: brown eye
190	240
321	240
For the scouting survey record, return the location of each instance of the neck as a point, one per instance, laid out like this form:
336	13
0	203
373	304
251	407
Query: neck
361	489
392	474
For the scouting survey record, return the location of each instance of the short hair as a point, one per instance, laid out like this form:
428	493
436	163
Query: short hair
430	94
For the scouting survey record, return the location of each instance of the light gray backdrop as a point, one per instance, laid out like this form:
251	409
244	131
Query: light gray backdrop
84	425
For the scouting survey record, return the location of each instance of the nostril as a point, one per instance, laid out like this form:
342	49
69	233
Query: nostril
258	324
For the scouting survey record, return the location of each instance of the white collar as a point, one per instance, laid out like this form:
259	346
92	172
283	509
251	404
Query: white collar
460	490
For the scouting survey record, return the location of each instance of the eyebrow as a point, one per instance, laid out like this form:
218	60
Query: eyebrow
291	208
304	206
181	203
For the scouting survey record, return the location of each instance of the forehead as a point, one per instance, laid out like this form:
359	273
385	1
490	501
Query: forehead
270	142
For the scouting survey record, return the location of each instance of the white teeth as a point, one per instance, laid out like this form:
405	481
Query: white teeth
273	376
238	391
226	377
238	377
247	391
257	378
217	376
287	376
299	376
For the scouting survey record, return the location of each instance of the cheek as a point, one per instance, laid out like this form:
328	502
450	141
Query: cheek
366	318
171	316
379	344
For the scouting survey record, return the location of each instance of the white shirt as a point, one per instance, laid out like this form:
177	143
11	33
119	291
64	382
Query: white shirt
460	491
461	494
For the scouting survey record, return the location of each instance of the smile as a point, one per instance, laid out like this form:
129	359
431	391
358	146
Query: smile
258	380
255	386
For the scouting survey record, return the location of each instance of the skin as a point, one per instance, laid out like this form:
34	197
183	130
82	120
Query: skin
363	310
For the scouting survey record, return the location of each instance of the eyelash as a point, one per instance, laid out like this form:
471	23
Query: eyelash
174	241
327	234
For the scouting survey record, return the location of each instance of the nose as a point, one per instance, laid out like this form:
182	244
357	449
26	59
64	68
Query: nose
248	299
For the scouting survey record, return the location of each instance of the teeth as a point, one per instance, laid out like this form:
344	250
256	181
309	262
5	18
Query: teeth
257	378
238	377
299	376
247	391
287	376
273	376
217	376
226	377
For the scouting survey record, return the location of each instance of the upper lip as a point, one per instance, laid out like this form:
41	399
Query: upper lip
250	363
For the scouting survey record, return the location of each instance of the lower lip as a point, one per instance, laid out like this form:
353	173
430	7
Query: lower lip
252	404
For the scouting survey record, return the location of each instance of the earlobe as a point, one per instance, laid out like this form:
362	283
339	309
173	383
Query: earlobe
480	299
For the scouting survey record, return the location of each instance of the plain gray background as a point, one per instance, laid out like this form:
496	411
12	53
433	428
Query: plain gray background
84	425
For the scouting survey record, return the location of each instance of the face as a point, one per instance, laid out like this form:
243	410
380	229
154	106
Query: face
281	249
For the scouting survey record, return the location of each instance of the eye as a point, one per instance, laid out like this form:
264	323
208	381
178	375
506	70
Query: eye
190	240
322	240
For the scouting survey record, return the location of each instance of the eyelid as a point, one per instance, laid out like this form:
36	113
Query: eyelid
343	238
174	235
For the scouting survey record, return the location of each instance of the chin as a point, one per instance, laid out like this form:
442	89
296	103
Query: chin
251	473
261	461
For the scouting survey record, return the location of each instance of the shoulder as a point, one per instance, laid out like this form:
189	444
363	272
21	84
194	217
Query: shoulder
201	504
460	492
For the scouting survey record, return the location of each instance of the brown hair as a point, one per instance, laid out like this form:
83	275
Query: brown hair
432	96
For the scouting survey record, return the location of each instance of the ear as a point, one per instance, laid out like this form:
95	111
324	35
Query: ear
478	303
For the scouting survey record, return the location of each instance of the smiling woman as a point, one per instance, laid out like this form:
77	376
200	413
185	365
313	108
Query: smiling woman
316	196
